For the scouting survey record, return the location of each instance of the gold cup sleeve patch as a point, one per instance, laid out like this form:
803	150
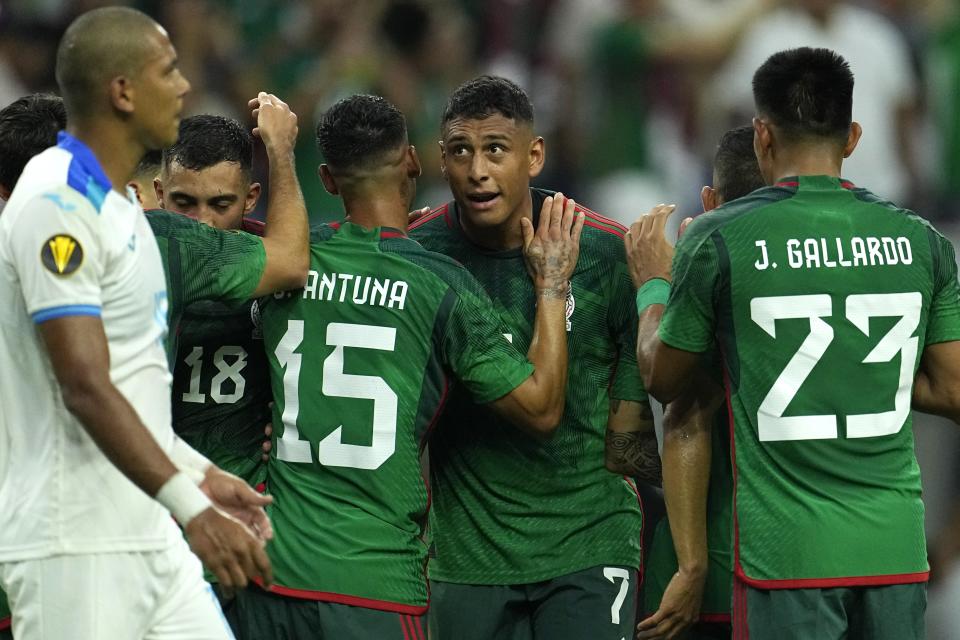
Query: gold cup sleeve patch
61	254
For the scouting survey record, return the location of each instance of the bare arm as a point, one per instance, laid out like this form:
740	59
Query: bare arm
80	357
936	388
551	253
286	236
631	445
686	474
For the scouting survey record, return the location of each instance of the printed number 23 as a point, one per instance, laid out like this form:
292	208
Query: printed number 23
773	425
332	451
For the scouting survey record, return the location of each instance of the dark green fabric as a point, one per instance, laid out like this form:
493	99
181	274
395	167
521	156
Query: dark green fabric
259	615
571	607
858	613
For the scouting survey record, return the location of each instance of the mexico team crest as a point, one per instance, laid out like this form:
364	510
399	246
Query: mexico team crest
571	305
61	254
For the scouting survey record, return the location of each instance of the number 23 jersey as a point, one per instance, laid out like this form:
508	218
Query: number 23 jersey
821	298
360	363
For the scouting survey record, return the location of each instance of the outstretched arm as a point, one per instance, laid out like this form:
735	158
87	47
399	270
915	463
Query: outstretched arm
551	253
686	473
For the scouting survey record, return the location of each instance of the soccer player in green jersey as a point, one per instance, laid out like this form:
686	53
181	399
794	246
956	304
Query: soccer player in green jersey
735	174
362	361
534	539
824	302
221	387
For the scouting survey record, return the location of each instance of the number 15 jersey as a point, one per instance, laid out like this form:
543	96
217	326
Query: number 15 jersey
822	299
360	366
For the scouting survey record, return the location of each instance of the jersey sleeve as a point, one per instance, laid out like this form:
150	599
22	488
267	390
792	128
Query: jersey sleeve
626	383
477	350
60	256
225	266
943	323
689	318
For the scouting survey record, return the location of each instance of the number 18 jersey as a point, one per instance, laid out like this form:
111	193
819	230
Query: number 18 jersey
361	361
821	298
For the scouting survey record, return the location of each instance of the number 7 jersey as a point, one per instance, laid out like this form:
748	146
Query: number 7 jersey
821	298
361	360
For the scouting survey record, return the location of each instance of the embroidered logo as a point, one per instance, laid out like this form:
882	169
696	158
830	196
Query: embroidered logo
61	254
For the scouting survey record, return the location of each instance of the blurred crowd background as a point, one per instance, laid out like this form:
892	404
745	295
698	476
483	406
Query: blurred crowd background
630	95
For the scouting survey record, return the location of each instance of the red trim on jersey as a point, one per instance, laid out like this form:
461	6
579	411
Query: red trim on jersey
5	623
261	488
830	583
392	234
617	228
403	625
339	598
846	184
785	183
255	227
420	633
412	629
335	225
442	209
715	618
643	522
741	630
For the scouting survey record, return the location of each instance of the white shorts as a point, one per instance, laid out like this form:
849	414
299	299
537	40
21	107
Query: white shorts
156	595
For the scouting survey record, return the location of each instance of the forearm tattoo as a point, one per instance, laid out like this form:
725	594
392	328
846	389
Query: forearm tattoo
636	454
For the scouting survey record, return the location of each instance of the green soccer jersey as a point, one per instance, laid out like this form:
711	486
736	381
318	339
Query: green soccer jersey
661	561
360	362
822	298
202	263
509	508
221	384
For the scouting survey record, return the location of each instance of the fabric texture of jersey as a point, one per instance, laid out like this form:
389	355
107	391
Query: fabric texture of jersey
821	298
508	508
221	383
203	263
71	246
361	360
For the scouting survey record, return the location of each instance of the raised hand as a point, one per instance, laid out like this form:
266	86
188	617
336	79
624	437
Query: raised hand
552	250
649	255
276	124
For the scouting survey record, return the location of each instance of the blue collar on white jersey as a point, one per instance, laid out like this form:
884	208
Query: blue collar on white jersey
85	173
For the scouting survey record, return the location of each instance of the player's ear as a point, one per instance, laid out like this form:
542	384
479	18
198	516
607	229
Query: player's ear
443	159
136	191
121	94
328	181
158	189
253	194
5	192
708	198
537	151
414	168
852	138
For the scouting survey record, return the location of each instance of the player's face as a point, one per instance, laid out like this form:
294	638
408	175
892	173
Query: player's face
218	196
160	88
488	164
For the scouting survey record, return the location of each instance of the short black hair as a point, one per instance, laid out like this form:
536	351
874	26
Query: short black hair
208	140
27	127
149	165
807	93
98	46
735	165
356	132
485	96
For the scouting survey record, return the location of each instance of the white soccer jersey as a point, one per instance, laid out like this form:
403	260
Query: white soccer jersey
69	245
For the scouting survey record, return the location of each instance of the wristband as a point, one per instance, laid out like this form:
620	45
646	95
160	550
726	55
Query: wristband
182	498
653	291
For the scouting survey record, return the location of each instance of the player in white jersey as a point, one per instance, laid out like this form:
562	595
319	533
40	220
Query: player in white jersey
85	436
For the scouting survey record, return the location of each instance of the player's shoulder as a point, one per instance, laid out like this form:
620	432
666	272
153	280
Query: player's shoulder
756	202
434	224
321	232
46	181
600	234
444	270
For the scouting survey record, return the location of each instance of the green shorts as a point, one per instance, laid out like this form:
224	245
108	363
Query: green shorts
259	615
599	603
893	612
